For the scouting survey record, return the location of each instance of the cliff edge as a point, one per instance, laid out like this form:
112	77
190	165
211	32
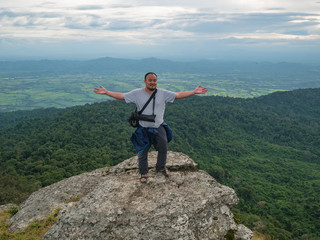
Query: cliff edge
111	203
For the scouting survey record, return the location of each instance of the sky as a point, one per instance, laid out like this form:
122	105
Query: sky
257	30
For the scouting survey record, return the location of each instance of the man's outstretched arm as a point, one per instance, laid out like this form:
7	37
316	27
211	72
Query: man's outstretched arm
198	90
115	95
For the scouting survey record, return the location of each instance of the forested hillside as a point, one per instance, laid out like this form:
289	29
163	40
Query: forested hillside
266	148
12	118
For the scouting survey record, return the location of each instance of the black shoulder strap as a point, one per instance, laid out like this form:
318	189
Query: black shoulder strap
150	98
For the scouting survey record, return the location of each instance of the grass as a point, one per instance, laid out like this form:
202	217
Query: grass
35	231
73	199
260	236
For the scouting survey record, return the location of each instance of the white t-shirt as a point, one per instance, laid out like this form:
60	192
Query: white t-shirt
140	97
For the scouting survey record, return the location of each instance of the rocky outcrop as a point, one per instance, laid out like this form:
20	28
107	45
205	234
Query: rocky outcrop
111	203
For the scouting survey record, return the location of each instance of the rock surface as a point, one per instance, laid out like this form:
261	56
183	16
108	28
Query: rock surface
8	207
111	203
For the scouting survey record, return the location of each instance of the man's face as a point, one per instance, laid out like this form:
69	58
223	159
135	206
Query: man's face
151	82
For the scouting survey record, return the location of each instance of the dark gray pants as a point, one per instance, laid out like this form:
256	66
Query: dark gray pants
161	144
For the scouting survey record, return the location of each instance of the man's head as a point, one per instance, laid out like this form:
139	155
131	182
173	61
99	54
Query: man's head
150	79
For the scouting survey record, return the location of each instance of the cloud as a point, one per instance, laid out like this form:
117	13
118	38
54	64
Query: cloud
154	22
166	23
89	7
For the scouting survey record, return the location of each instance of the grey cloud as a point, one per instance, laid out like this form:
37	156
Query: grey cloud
301	32
243	23
90	7
75	22
276	9
5	12
76	26
26	19
131	25
10	14
30	19
79	25
120	6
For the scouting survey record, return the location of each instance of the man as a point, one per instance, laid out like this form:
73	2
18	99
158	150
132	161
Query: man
156	130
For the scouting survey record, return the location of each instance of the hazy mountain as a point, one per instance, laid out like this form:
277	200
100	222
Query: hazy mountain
107	65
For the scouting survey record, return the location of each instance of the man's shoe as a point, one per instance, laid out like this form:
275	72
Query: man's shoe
143	178
165	172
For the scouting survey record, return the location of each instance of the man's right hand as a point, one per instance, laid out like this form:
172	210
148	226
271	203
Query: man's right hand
100	90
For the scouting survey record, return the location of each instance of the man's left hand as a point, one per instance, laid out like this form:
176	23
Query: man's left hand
200	90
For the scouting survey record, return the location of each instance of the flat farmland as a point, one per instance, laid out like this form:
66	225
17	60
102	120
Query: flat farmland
33	88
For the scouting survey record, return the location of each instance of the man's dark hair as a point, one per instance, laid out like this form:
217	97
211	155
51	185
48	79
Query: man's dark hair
145	76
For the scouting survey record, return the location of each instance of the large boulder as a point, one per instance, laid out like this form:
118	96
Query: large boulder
111	203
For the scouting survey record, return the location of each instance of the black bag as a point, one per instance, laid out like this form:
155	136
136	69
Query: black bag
134	122
136	116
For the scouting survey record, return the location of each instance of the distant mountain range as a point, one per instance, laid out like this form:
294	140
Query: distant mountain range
112	65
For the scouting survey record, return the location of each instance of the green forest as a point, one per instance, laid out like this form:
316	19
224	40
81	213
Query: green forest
266	148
